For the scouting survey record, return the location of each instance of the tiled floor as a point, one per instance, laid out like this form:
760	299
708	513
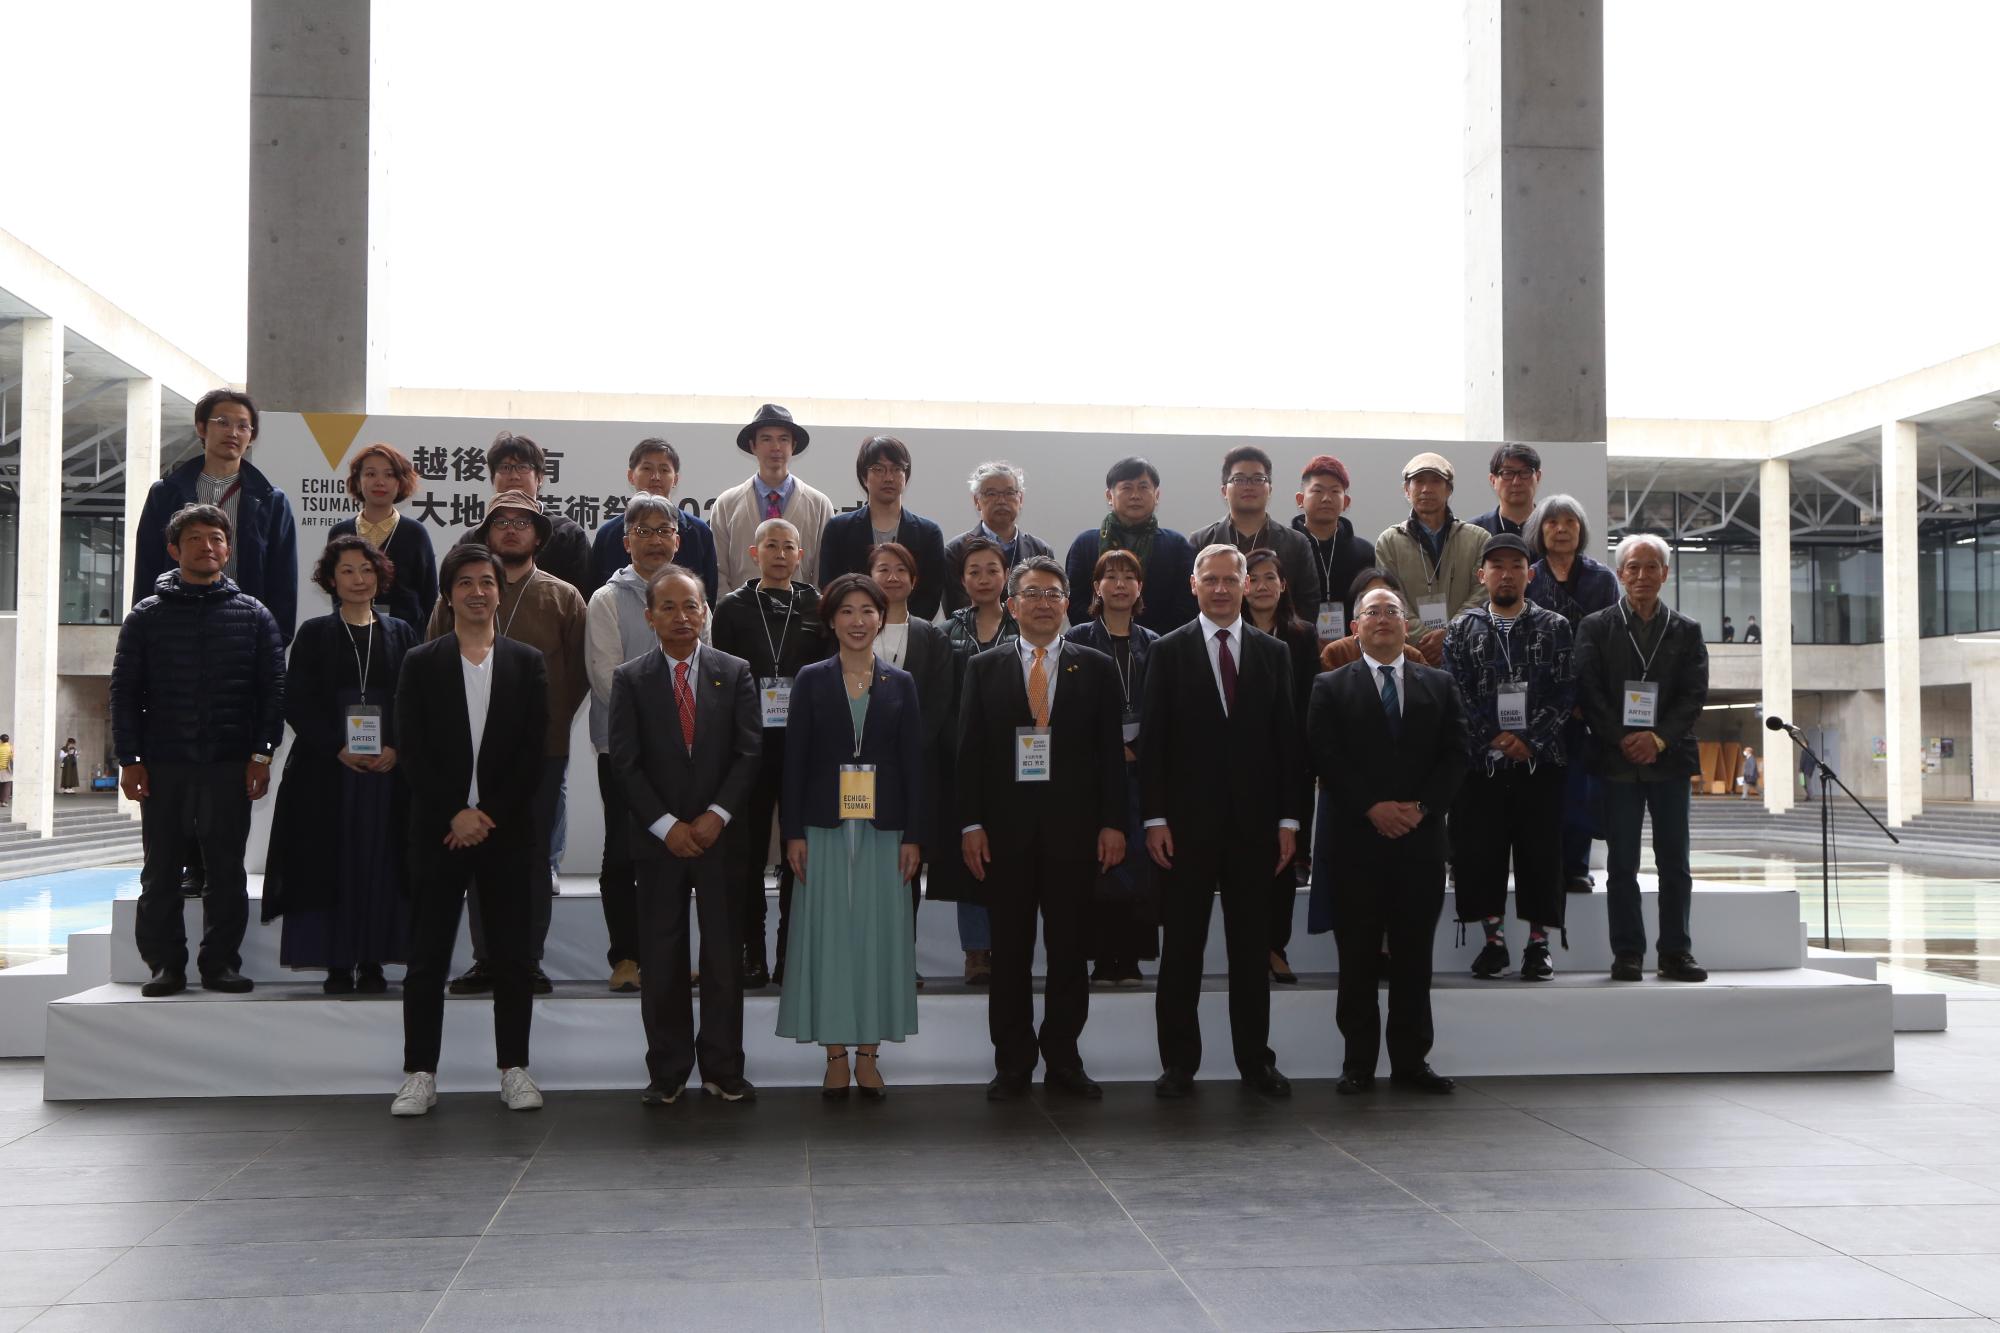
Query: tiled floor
1862	1203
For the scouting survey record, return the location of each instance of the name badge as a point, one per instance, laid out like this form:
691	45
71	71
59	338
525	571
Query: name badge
1642	702
1332	622
774	697
1130	725
857	791
1031	754
1432	615
1513	703
364	730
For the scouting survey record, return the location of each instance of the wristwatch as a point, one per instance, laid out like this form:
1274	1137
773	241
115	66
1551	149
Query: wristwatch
263	759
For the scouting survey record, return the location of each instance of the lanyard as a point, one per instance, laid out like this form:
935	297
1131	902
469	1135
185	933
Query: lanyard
507	630
360	665
1325	567
1238	540
1434	569
1126	669
1503	634
777	649
1645	662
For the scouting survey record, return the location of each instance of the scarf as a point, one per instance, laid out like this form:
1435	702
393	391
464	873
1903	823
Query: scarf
1115	536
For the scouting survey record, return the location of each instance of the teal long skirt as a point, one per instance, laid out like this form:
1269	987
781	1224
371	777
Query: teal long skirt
850	961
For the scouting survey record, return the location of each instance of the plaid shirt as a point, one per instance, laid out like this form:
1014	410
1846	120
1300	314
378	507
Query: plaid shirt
1537	651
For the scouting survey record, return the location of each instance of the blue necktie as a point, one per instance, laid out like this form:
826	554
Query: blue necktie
1392	704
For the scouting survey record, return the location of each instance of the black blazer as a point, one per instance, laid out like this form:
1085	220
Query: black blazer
1086	787
848	537
1358	764
655	770
931	663
416	588
819	738
1221	781
434	740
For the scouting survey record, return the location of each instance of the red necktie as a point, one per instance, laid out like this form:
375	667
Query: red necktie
774	505
1225	666
684	696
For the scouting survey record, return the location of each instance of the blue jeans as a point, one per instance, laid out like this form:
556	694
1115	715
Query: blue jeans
975	928
1626	805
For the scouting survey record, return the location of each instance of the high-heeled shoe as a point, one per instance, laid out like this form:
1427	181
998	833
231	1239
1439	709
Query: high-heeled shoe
874	1094
828	1089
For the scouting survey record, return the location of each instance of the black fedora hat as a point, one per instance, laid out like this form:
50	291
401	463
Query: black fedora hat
770	414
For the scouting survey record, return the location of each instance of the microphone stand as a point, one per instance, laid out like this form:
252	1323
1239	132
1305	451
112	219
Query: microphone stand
1828	779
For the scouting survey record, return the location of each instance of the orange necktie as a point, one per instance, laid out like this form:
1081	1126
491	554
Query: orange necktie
1038	690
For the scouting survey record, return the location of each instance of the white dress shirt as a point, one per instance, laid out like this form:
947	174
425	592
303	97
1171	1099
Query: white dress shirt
478	699
660	827
1396	667
1234	630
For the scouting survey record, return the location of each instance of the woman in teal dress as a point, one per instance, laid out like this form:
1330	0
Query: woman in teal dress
852	810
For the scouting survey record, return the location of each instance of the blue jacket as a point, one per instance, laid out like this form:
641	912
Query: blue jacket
266	544
844	547
1539	652
819	738
697	552
198	677
1168	591
1591	587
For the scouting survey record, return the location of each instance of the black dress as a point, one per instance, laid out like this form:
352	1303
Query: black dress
1125	912
335	872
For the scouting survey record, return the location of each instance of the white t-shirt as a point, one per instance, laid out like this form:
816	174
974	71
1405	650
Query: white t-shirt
893	644
478	698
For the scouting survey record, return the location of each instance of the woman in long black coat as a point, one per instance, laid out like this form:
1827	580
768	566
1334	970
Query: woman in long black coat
335	871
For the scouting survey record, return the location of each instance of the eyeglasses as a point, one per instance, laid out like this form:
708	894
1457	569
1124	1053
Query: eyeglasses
1379	613
510	524
644	533
886	470
1514	474
1042	595
507	469
1000	495
1248	479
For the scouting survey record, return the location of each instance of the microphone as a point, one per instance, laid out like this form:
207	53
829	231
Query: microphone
1776	723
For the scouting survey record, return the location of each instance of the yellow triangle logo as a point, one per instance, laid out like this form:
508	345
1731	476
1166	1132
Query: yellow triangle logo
334	431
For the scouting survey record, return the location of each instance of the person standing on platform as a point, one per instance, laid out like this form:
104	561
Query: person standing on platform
1432	554
1728	631
1642	676
517	466
380	478
6	769
773	439
339	834
1752	633
1246	486
983	623
1512	662
773	624
855	795
883	469
1267	605
1338	554
1573	585
1748	773
684	744
471	725
1387	737
545	613
197	710
1218	702
616	631
1166	560
1041	791
68	780
999	489
1516	475
654	468
1124	910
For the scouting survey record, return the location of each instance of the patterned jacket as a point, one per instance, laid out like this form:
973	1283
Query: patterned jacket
1540	648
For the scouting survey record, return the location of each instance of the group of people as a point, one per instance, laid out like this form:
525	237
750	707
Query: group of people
1091	748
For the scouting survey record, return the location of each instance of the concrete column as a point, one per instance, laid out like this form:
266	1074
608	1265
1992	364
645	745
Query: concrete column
1774	538
142	468
35	738
309	251
1985	741
1901	678
1534	220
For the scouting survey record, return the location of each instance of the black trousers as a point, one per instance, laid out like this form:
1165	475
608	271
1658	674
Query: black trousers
617	879
544	810
1026	878
1187	897
752	844
1404	902
501	877
1510	817
673	1047
208	806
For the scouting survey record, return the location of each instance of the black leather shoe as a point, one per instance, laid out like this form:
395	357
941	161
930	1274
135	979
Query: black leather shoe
166	981
1535	965
1580	884
193	886
1351	1084
1074	1082
1681	967
369	980
229	981
655	1095
1423	1079
339	981
755	975
475	980
1492	961
1007	1087
540	980
1268	1082
1625	967
1173	1085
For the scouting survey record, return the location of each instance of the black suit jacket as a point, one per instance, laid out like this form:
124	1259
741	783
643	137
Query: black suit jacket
1220	781
655	770
1359	764
1086	787
848	537
434	741
819	738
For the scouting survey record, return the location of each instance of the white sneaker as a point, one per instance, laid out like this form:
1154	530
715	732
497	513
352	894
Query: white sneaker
419	1095
519	1091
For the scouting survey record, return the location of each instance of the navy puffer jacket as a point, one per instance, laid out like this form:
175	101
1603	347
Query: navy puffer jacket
199	677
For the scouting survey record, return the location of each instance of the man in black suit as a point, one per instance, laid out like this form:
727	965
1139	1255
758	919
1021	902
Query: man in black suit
1042	797
471	710
1223	786
1387	737
685	738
